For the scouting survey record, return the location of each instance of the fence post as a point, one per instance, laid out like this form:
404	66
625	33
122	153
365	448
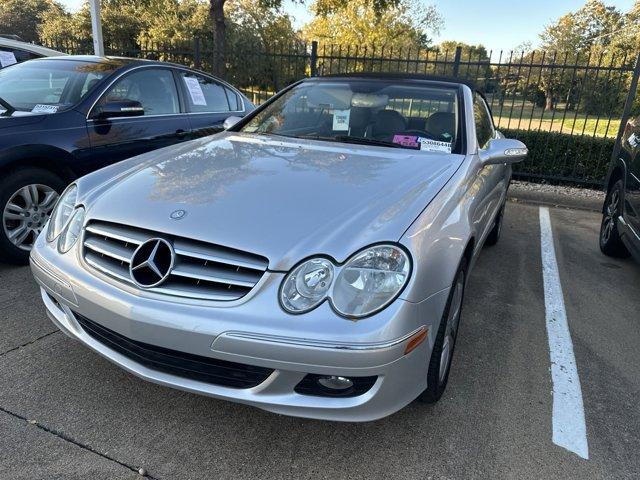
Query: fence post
196	53
313	60
456	61
628	104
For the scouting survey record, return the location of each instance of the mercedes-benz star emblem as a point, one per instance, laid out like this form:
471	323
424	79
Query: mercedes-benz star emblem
152	262
178	214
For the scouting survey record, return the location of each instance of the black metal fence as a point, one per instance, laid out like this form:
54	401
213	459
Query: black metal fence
568	108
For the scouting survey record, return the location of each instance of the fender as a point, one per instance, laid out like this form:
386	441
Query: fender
51	158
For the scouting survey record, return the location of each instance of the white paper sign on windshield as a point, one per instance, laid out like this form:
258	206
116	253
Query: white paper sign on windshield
434	145
195	90
40	108
341	119
7	58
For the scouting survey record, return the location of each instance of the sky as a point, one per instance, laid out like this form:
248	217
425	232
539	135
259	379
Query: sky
497	24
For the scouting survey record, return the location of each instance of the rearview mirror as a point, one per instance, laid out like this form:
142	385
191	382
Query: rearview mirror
503	150
230	122
119	108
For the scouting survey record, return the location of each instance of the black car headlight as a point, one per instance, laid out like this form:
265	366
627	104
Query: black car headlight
365	284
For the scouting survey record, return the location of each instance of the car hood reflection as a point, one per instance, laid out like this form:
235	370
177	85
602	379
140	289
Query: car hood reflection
282	198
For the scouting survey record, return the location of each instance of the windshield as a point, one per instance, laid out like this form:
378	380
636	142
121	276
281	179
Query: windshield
386	113
47	86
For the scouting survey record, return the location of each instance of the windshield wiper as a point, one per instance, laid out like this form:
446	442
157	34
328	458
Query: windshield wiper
7	106
353	139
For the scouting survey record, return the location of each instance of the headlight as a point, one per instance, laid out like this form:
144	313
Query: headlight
70	234
365	284
307	285
62	212
370	280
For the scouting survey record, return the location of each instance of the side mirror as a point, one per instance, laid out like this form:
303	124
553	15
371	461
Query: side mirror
120	108
503	150
230	122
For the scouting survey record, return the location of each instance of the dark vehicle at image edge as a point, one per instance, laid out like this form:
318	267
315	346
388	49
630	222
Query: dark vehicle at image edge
620	230
64	117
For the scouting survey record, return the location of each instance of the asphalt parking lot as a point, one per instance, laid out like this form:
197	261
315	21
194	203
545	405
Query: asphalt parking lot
67	413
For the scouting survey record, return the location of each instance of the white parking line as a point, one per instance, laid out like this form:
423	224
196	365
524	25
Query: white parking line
569	429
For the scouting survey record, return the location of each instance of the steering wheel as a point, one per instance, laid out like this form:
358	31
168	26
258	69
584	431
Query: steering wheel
421	133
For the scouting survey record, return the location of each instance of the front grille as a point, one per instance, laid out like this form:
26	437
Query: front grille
201	270
186	365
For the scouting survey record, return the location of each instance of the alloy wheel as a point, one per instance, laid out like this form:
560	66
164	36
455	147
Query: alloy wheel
26	213
610	216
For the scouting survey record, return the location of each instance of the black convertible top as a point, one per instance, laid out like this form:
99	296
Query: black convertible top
404	76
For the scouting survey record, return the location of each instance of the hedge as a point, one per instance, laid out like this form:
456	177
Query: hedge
560	157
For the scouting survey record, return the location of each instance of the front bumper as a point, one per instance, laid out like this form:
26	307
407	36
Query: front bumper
253	332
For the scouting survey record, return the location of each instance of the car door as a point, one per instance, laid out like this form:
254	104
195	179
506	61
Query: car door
632	197
163	122
208	102
493	179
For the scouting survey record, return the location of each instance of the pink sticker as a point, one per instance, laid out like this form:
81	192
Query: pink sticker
406	140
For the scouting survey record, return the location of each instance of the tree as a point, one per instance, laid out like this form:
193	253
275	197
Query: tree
589	29
22	17
390	25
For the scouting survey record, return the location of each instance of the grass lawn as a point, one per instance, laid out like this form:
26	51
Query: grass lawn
519	115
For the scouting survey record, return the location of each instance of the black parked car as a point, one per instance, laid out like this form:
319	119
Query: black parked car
63	117
620	230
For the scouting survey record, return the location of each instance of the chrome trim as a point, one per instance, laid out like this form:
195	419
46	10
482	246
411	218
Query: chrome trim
171	67
199	271
305	342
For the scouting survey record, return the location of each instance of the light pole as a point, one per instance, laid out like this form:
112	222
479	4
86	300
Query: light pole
96	28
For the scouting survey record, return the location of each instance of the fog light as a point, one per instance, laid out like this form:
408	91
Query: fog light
335	383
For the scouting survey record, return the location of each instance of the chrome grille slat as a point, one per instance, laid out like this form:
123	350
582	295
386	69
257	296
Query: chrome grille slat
201	270
110	249
214	275
212	254
118	233
100	263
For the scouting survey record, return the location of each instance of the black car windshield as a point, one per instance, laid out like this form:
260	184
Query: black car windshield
381	113
48	86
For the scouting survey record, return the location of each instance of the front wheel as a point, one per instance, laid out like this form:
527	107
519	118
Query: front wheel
610	242
442	354
27	198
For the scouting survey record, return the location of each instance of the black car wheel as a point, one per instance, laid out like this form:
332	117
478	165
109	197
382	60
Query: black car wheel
610	242
27	198
442	354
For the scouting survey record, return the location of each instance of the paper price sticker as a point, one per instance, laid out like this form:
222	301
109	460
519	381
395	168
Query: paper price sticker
195	91
7	58
39	108
341	119
434	145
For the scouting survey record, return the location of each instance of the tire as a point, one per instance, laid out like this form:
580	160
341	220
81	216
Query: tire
27	198
610	242
444	346
494	234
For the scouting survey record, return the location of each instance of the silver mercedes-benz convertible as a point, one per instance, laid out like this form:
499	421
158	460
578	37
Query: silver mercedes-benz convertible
310	260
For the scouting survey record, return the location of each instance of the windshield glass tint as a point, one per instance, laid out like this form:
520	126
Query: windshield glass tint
375	112
47	86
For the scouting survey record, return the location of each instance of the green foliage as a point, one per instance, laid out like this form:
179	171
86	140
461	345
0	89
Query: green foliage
402	24
561	156
22	17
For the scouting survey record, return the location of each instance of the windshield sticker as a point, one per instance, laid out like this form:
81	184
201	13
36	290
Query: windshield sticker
7	58
434	145
406	140
39	108
341	119
195	90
